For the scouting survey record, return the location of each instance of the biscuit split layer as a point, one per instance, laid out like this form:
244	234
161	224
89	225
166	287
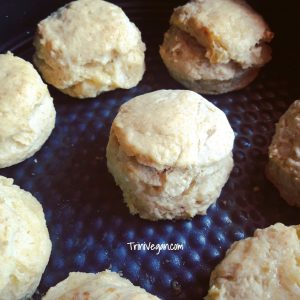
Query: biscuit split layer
88	47
170	151
215	46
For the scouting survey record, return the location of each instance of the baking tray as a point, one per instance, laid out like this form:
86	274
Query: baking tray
90	226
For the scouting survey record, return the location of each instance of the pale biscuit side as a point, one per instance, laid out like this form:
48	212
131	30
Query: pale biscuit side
283	168
171	193
187	63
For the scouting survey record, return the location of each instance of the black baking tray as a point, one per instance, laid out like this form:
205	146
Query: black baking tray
89	225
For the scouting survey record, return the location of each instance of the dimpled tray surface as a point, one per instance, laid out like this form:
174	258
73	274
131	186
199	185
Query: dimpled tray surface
89	224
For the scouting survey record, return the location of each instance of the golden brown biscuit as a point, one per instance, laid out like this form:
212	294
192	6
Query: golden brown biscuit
170	151
283	168
27	114
88	47
262	267
24	242
105	285
214	47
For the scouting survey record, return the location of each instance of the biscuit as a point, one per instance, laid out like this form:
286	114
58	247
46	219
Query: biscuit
27	114
262	267
88	47
24	242
283	168
215	47
106	285
170	151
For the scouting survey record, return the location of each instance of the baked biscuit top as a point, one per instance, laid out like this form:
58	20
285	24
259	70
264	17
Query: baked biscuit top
88	28
105	285
173	128
228	29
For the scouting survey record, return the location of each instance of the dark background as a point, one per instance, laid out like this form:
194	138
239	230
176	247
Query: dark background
88	222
